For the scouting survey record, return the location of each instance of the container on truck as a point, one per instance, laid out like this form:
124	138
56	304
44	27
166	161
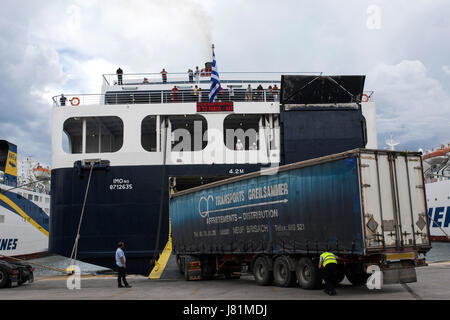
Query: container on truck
366	206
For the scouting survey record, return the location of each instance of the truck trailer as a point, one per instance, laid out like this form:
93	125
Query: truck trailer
366	206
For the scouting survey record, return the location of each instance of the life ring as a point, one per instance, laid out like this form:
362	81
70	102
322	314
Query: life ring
365	98
74	101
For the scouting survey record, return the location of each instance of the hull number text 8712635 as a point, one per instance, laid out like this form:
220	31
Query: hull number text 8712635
121	184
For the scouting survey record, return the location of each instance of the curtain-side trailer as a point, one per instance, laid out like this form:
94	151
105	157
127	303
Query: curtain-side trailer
366	206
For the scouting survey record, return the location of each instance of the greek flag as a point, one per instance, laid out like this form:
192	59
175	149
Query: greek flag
215	81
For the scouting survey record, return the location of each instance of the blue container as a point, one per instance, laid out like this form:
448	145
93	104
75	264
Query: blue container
299	209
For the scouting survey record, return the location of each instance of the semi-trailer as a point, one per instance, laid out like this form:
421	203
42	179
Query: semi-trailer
366	206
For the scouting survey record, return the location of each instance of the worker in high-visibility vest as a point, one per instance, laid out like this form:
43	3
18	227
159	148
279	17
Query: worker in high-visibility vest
328	261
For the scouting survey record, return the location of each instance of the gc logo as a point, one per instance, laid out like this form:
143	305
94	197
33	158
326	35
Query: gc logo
204	213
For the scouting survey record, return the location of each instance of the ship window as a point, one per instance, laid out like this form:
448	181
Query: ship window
148	133
189	132
243	127
30	197
36	198
2	219
103	134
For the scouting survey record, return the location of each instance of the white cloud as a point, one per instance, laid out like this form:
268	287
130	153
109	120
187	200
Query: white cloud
51	47
446	69
410	104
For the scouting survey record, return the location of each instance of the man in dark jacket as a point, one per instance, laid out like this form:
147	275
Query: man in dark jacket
119	76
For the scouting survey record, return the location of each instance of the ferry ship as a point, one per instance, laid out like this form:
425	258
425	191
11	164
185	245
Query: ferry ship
117	155
24	205
437	187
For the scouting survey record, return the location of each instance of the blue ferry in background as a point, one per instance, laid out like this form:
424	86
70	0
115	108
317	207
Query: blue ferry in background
24	206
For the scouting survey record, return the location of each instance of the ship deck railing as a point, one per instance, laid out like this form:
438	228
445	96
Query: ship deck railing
165	96
169	96
179	78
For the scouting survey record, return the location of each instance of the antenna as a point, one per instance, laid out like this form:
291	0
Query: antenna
391	143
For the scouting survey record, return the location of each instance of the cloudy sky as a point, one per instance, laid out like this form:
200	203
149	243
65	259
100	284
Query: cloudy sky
403	48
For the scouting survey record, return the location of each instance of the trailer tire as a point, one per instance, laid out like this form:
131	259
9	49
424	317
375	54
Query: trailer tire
4	279
308	274
262	273
180	263
186	269
356	274
339	275
282	274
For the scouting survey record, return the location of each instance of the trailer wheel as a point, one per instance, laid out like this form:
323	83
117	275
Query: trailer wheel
308	274
283	276
180	263
3	278
262	273
339	275
356	274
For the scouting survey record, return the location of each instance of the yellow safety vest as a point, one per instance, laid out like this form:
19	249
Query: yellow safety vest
328	257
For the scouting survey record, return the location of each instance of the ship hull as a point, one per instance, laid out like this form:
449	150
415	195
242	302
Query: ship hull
438	201
23	224
124	203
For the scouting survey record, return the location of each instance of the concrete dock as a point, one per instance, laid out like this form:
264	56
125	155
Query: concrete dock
433	282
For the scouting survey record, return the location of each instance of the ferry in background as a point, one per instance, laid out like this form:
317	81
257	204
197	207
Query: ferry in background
437	186
24	205
146	135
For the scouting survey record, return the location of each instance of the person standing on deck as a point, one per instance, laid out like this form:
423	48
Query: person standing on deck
62	100
199	92
174	93
231	93
248	95
197	75
119	73
164	75
275	92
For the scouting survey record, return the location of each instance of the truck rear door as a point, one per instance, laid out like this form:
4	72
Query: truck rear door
393	200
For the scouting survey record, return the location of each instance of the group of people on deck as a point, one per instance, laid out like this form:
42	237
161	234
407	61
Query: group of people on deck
271	93
258	94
